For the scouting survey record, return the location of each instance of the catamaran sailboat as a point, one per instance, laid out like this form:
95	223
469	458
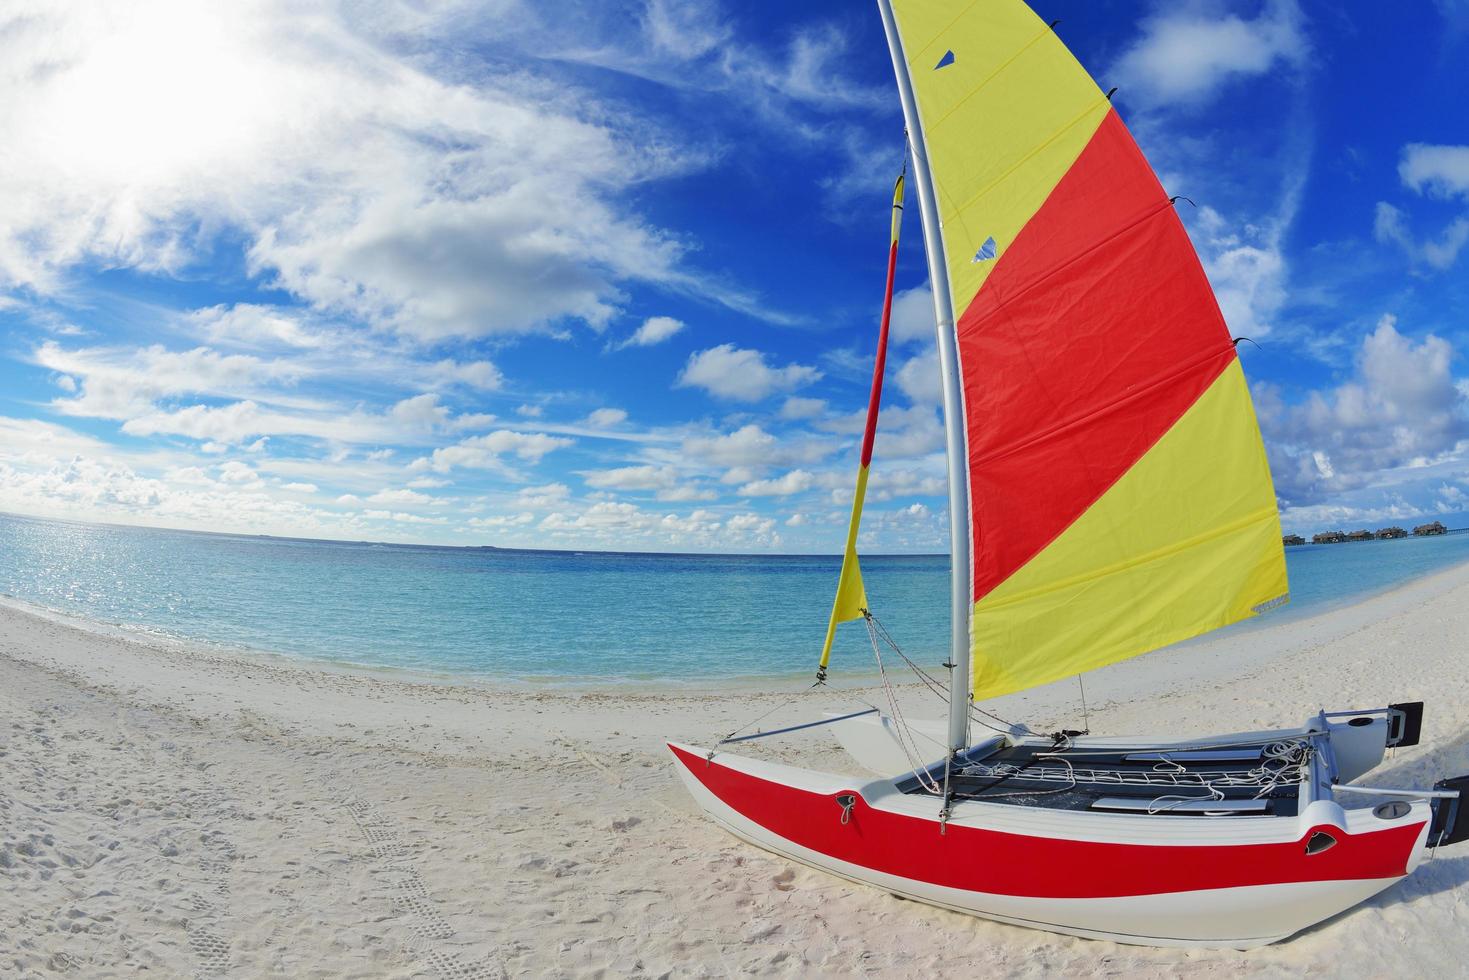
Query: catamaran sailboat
1108	495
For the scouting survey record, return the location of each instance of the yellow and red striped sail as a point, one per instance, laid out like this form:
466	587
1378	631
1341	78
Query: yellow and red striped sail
1119	494
851	598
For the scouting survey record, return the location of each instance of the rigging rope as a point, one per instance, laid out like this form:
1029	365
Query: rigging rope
905	737
1283	761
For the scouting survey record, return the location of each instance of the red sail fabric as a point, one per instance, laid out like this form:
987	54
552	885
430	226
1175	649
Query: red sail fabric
1094	333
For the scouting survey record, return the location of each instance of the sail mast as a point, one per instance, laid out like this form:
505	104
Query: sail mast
961	603
851	597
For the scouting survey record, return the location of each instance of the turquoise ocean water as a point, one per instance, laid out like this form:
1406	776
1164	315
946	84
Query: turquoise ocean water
543	615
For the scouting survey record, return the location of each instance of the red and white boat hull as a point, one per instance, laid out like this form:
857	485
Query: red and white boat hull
1174	881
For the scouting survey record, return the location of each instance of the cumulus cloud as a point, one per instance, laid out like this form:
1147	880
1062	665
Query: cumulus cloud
1186	56
740	374
97	485
1245	259
664	481
546	495
1438	170
918	377
752	446
486	451
632	478
1401	410
796	481
400	497
654	330
482	375
236	472
608	520
912	317
1434	171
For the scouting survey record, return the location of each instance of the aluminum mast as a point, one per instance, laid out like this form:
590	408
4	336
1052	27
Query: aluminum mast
961	601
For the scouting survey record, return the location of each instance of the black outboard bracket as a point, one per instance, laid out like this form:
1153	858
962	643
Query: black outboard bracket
1404	724
1450	816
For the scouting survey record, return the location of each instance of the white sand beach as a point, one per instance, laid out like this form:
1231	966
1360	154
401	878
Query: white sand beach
195	814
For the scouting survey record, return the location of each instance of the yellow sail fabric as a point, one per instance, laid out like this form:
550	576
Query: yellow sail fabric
1182	544
1002	123
851	597
1119	497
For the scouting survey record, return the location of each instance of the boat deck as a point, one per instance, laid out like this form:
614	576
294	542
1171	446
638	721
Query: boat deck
1237	781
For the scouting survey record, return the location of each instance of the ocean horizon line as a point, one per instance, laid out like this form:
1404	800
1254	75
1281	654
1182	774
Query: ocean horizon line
501	549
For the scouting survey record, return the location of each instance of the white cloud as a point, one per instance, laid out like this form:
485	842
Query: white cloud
1438	170
1402	410
754	527
300	487
253	324
740	374
1391	228
421	412
68	476
402	517
1245	259
236	472
686	493
665	481
654	330
118	383
796	481
482	375
919	378
606	418
546	495
400	498
632	478
1451	500
802	408
485	452
504	521
912	317
1186	56
752	446
366	178
239	422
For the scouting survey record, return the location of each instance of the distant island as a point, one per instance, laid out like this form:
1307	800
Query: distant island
1339	537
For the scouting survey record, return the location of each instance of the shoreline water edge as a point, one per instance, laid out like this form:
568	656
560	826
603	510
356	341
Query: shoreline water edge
466	616
215	813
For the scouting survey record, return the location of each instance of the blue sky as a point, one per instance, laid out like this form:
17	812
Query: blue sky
606	275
